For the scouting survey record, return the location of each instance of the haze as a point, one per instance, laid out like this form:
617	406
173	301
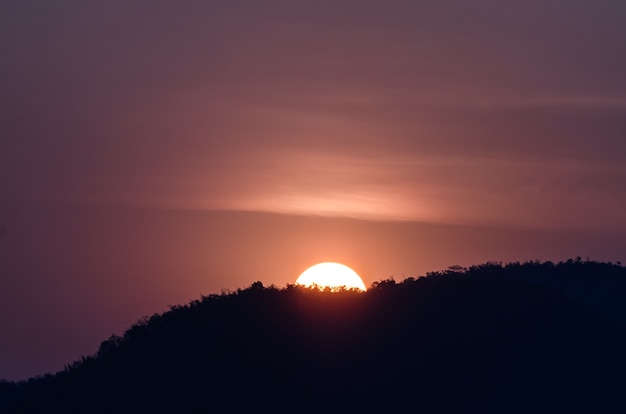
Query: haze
151	152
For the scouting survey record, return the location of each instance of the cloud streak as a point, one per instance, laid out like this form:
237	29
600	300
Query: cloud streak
445	111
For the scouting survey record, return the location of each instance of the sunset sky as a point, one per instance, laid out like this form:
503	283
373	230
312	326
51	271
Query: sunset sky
153	151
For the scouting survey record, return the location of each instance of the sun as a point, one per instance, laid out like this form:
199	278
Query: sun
332	275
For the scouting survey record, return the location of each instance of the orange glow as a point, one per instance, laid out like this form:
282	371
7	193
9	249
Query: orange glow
332	275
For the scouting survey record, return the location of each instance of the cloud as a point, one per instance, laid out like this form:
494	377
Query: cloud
424	111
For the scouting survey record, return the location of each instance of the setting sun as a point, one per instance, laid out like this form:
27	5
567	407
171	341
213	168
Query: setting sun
332	275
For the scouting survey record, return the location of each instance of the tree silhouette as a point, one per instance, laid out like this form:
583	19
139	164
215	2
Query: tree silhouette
494	338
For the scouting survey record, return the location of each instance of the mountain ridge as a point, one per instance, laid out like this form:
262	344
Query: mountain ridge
492	337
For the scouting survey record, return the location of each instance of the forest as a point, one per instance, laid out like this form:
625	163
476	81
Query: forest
515	337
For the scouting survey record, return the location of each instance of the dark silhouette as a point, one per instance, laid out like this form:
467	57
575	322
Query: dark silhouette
521	337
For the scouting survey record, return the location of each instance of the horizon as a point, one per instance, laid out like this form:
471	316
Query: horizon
520	336
108	253
565	290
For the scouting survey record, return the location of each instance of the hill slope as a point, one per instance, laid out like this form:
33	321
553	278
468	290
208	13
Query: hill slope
495	338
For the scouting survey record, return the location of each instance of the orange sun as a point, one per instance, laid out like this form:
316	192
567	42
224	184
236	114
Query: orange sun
332	275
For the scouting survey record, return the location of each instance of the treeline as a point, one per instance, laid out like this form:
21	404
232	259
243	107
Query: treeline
495	337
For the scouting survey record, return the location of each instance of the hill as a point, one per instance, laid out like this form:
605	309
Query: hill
493	338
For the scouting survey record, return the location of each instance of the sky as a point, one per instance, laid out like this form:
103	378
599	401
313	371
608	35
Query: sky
154	151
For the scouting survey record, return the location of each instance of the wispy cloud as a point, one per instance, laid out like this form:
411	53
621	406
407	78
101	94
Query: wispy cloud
423	111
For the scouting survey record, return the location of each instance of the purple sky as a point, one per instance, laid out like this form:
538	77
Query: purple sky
492	111
456	115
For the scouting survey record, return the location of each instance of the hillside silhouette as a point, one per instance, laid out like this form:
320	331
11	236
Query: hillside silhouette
520	337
